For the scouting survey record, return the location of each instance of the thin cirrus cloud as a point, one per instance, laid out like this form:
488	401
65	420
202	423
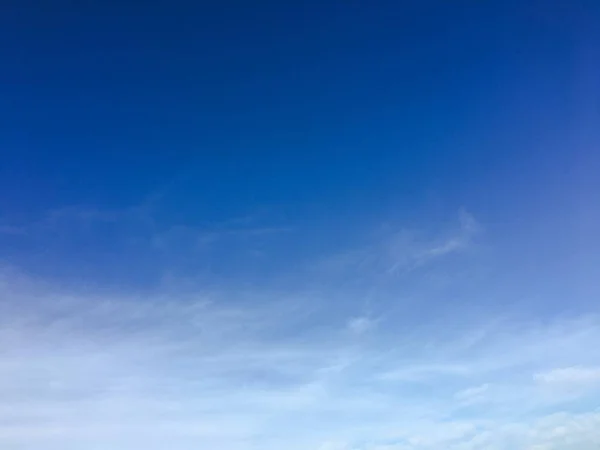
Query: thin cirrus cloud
570	375
91	369
268	368
399	251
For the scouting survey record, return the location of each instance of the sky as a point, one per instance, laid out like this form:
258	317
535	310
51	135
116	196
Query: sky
335	225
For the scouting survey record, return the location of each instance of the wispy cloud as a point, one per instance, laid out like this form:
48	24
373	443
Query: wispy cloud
137	236
409	250
472	394
568	375
83	369
401	251
361	324
293	365
12	230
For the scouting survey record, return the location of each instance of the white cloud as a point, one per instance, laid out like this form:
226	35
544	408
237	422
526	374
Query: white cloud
87	370
457	241
570	375
412	371
472	394
403	250
361	325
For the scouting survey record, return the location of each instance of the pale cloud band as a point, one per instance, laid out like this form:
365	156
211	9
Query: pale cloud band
95	370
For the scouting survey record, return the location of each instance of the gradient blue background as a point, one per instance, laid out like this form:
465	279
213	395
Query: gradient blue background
240	145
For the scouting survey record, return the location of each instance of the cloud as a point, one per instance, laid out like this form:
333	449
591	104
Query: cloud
569	375
12	230
409	251
560	431
361	325
426	372
89	242
472	394
401	251
240	370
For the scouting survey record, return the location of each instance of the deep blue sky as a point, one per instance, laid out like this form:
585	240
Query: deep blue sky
331	115
281	103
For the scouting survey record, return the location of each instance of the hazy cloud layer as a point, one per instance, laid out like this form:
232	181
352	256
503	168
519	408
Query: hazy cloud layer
95	370
339	356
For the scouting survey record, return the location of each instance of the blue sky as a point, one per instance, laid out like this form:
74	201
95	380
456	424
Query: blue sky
333	226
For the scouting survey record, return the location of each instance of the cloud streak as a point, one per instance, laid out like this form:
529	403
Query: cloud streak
570	375
336	358
95	369
398	252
